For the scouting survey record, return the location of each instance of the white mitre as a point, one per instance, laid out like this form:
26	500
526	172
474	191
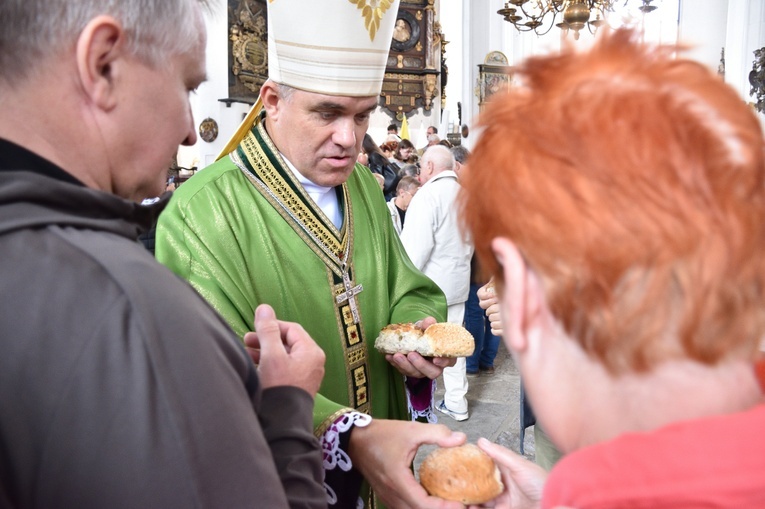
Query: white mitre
334	47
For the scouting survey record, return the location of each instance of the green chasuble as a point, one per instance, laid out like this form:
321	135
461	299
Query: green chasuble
244	232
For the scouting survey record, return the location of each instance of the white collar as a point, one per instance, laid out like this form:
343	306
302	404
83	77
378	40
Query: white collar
321	195
310	187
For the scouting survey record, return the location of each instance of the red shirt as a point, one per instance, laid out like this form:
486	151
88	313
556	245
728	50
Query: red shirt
718	462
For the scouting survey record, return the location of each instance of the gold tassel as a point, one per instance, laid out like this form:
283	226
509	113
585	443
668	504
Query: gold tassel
242	130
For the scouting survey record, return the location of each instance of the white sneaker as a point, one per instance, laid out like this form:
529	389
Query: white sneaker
457	416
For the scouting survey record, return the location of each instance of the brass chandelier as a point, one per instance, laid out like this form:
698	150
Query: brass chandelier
539	16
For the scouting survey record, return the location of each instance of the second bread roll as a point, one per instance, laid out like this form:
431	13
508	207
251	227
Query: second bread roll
465	474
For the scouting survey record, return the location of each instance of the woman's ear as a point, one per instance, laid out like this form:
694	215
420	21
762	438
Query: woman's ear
523	300
513	298
100	52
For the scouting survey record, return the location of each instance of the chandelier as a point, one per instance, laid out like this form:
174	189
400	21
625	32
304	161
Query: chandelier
539	15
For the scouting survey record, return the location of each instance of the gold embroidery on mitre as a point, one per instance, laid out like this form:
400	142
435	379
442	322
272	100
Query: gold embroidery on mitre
372	11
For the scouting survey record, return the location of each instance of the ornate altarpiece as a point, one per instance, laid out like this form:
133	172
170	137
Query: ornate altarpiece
247	50
413	68
415	60
494	75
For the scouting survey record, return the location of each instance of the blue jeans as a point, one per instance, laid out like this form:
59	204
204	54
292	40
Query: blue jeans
486	343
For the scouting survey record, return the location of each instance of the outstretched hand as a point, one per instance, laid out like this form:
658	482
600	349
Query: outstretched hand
384	451
415	365
284	352
487	299
523	480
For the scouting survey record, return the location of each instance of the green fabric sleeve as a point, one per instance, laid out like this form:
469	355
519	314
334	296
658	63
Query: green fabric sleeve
198	239
184	245
220	234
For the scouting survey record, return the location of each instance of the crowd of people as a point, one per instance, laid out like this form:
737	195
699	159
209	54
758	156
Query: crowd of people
437	247
236	369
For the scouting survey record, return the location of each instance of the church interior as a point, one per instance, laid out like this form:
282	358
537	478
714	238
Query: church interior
448	56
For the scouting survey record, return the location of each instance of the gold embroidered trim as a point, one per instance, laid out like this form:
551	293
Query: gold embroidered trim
326	423
372	502
291	202
340	49
337	234
324	241
272	201
354	353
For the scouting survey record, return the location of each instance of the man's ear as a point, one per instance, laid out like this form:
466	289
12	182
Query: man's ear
100	47
514	299
270	98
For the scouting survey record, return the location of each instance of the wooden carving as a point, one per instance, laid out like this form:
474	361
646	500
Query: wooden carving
414	62
494	75
248	49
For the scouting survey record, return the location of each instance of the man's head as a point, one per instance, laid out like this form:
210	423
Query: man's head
432	130
32	30
393	129
410	170
318	99
406	189
435	160
320	134
120	71
433	139
630	185
461	155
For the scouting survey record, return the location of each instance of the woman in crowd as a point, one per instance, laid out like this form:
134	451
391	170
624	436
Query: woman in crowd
378	163
404	153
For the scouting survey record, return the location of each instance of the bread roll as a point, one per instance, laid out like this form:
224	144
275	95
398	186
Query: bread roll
465	474
439	340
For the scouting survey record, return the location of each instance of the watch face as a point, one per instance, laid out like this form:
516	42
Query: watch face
208	130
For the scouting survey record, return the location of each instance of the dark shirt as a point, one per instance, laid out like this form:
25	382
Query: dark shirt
401	214
14	158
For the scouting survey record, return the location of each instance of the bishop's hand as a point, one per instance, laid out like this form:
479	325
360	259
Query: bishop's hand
415	365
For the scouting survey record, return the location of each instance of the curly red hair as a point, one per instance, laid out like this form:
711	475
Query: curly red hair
633	183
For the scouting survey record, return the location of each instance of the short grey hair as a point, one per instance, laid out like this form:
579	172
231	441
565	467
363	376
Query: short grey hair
407	183
31	30
460	154
409	170
441	157
284	91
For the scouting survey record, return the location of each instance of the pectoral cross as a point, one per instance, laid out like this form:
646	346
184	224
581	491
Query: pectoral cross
350	295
